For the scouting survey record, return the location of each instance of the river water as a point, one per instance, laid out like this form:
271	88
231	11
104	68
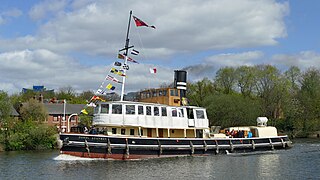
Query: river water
300	162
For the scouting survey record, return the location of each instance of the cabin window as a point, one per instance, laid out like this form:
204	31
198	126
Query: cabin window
96	109
123	131
200	114
163	111
190	113
154	93
114	130
164	92
181	113
105	108
156	111
160	92
140	110
148	108
116	109
141	132
148	94
130	109
142	95
171	92
131	131
174	113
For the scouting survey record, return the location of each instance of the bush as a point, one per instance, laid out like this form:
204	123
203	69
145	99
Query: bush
29	135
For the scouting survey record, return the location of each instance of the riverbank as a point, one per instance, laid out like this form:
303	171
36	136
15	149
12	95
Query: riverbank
315	134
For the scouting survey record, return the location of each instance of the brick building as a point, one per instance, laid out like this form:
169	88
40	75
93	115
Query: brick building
57	112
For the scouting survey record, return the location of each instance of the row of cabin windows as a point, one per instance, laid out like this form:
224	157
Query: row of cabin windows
148	94
123	131
130	109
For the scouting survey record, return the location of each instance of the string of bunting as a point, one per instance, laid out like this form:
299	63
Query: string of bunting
103	90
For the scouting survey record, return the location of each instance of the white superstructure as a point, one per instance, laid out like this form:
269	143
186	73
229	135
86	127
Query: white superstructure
122	113
126	114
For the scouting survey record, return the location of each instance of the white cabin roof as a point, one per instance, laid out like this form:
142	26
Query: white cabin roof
146	103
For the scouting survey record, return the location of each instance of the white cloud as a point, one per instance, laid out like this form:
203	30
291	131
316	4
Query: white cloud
42	9
235	59
182	26
209	66
42	67
11	13
98	28
14	12
303	60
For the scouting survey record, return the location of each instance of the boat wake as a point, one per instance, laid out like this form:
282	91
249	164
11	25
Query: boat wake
249	153
65	157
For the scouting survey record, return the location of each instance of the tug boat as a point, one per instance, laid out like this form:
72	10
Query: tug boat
162	124
136	130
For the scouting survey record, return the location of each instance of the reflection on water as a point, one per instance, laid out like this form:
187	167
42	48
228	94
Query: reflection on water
300	162
269	165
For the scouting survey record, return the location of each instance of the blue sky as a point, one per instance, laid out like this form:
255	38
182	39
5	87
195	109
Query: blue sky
59	43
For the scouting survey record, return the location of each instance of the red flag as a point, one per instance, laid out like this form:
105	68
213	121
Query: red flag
139	22
113	79
153	70
121	56
132	60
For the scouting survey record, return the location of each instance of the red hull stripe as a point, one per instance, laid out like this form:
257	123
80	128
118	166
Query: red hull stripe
117	156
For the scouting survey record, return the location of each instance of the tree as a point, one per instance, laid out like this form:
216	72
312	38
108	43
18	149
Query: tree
293	74
231	110
33	110
86	95
246	80
82	98
197	92
309	97
271	88
5	107
226	79
5	112
67	93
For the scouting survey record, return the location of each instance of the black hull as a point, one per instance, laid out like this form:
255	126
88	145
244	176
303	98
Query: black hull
110	147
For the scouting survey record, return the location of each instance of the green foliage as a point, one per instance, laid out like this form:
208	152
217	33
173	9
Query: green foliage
238	96
5	107
226	79
33	110
198	91
309	98
30	135
67	93
231	110
246	79
86	120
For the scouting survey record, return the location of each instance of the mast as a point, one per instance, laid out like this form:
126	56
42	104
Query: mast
126	48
